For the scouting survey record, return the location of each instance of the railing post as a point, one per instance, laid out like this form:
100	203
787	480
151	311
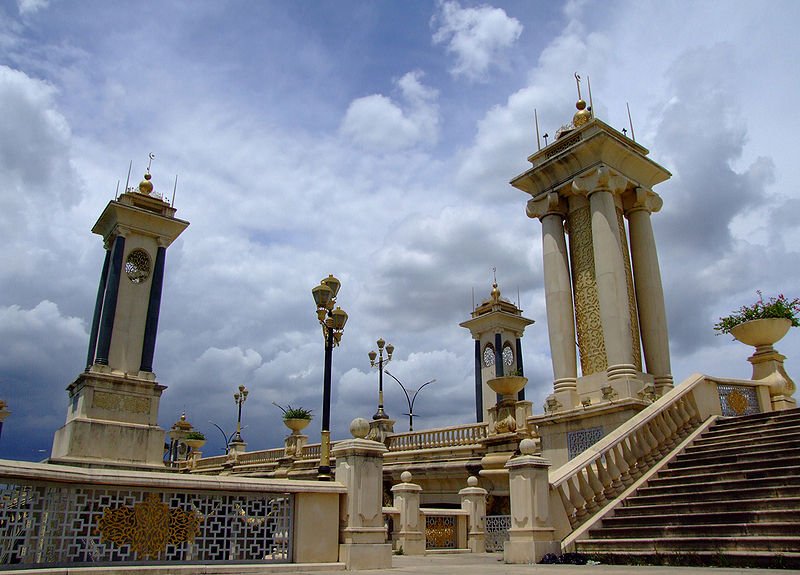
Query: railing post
531	535
473	501
411	538
362	534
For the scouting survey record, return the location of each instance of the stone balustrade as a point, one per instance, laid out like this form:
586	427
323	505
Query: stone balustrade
456	436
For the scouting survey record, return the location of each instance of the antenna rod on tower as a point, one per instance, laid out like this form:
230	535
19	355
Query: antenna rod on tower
519	300
473	298
116	194
591	106
536	118
578	83
630	122
128	181
174	189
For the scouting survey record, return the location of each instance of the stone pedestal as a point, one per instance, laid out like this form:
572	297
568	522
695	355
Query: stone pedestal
112	421
410	534
531	535
362	533
473	501
768	366
380	429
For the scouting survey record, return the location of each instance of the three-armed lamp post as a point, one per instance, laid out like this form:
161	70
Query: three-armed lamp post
332	321
239	397
380	414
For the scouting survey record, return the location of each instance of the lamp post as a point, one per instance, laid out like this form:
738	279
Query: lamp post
410	399
380	414
332	321
239	397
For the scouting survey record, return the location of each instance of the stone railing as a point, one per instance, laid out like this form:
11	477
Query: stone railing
583	487
256	457
456	436
59	515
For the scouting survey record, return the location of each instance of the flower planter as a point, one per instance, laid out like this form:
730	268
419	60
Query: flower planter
761	332
195	444
296	425
507	384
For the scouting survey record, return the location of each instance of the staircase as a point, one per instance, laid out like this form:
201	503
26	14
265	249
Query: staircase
731	498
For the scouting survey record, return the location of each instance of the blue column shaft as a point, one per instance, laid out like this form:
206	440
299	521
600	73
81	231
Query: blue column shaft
478	383
110	302
520	368
498	359
98	310
153	308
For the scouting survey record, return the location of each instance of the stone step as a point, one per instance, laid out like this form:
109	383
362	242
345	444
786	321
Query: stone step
734	456
699	487
748	493
728	428
763	529
742	465
708	506
775	544
770	439
731	474
708	518
758	418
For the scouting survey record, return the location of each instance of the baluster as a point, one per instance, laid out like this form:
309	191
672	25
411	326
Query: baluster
661	447
621	461
596	486
604	475
614	470
647	443
631	458
578	501
569	508
666	431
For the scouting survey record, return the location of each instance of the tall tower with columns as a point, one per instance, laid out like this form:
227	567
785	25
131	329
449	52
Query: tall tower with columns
604	285
112	416
497	326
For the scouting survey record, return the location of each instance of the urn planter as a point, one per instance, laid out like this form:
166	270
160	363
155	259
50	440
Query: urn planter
296	424
507	384
761	332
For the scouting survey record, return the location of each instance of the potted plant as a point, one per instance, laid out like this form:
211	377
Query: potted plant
195	439
295	418
763	323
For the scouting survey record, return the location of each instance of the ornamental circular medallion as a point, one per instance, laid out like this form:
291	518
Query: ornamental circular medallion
738	402
508	356
488	356
137	266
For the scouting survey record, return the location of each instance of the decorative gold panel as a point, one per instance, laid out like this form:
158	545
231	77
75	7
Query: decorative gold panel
626	258
440	532
584	284
148	527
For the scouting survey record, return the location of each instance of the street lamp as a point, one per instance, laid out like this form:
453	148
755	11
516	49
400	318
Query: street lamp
380	414
239	397
332	321
410	399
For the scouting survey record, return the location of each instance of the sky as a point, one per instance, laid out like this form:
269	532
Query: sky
373	141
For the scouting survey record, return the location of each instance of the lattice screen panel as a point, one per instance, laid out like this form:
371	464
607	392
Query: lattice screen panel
56	524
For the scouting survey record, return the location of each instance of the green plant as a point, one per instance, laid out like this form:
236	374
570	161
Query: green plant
195	435
774	307
290	412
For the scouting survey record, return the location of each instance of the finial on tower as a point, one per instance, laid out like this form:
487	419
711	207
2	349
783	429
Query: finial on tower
495	289
582	115
146	186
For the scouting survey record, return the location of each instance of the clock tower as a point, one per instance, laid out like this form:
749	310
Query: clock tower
112	416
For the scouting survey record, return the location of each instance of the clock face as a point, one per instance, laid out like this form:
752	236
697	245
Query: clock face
137	266
488	356
508	356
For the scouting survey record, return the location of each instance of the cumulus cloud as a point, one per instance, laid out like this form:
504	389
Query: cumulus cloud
31	6
478	37
379	123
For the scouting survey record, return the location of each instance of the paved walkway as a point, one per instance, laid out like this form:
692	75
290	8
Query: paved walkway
489	563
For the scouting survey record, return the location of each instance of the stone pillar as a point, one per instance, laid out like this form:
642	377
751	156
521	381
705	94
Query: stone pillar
153	309
110	301
478	383
98	310
558	295
410	534
649	291
768	366
531	535
473	501
612	286
362	533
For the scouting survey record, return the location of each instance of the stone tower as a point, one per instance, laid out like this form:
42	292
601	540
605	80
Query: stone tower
605	283
497	326
113	405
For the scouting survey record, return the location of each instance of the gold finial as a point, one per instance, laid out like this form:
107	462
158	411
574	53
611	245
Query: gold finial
582	115
146	186
495	289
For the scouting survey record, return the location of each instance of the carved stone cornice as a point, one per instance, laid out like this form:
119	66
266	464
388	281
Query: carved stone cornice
600	179
546	204
640	199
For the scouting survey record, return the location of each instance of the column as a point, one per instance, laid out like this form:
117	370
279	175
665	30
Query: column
532	534
98	310
362	535
520	368
478	383
410	532
473	501
153	307
648	287
612	289
558	296
110	301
